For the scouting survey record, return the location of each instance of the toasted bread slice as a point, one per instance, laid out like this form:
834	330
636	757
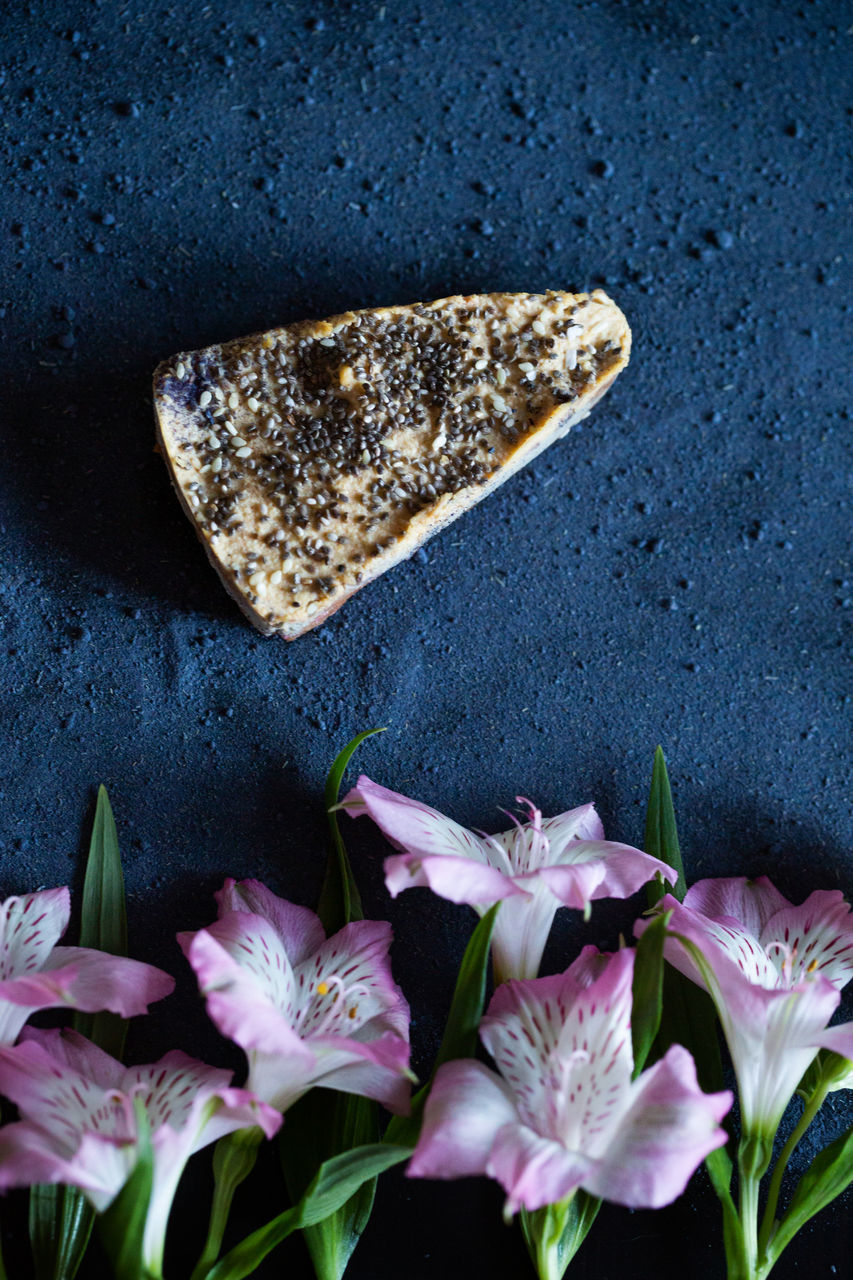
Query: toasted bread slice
313	458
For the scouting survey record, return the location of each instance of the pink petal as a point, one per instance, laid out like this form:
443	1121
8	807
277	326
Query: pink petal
251	999
534	1171
467	1107
456	878
98	981
667	1131
98	1166
30	927
564	1045
41	1073
357	956
582	823
840	1040
298	928
411	826
593	869
751	902
816	937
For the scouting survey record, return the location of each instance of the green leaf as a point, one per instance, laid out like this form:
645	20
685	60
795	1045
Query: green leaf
322	1125
661	839
340	901
122	1226
103	923
647	992
327	1123
554	1234
61	1218
719	1166
336	1182
828	1175
460	1032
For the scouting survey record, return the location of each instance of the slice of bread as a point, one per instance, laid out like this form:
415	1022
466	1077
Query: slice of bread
313	458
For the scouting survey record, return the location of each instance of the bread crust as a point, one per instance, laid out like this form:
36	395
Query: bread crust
183	416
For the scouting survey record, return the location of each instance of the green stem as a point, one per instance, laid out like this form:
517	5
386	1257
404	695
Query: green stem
753	1158
233	1160
810	1110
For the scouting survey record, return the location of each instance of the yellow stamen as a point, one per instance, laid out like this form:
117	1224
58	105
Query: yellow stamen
812	966
353	1011
323	988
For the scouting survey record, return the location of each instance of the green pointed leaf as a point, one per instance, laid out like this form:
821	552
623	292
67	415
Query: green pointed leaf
103	923
340	901
661	839
61	1218
325	1124
122	1226
460	1032
828	1175
647	992
336	1182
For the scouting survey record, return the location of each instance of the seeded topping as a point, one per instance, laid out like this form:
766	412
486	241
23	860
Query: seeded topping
313	457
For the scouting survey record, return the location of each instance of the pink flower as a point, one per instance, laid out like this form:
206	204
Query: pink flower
307	1010
79	1126
37	974
564	1112
774	972
534	868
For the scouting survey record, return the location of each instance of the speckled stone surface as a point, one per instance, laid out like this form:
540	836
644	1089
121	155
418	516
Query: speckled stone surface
676	571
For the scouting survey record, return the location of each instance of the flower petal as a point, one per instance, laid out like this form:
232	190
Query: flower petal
751	902
592	869
521	932
298	928
42	1075
30	927
662	1137
453	878
251	992
353	965
467	1107
564	1045
30	1154
411	826
816	937
97	980
534	1171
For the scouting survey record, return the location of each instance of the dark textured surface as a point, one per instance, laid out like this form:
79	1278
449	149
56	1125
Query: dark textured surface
675	571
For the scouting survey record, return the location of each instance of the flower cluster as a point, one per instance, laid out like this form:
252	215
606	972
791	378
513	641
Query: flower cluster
561	1108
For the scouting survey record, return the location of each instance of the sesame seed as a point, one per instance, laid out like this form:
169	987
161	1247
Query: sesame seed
204	399
233	400
180	370
253	405
245	452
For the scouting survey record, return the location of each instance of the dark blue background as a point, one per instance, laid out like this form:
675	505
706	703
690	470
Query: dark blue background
674	572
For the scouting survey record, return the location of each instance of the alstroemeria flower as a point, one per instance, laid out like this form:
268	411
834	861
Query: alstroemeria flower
774	972
307	1010
79	1125
534	868
564	1112
37	974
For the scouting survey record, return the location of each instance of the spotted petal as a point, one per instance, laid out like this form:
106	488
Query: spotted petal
252	995
565	1113
299	929
79	1123
335	1018
773	1025
467	1107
